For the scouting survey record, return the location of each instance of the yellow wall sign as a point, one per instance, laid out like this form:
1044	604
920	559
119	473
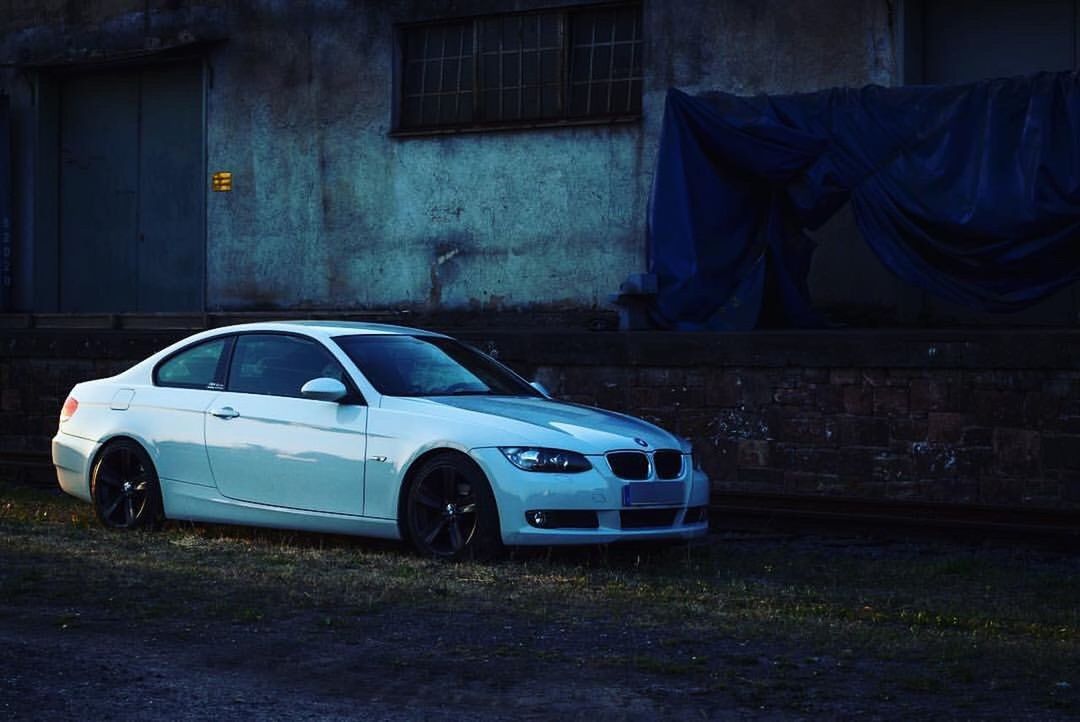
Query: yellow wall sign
221	181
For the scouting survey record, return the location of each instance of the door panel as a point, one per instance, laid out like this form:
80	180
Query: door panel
98	192
289	452
171	251
131	212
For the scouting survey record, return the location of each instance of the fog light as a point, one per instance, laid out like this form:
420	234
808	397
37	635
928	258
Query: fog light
536	518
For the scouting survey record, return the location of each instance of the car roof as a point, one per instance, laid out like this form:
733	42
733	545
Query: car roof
360	327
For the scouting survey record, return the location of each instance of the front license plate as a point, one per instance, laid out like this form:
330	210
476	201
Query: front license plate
653	492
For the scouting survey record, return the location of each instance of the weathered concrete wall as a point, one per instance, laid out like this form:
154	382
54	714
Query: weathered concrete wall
329	210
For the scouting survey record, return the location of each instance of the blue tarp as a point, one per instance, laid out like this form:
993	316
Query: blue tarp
971	192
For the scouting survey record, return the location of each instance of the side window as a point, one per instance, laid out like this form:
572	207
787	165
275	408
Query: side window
277	365
194	367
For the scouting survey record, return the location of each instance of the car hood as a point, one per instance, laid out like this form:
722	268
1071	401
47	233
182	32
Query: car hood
510	420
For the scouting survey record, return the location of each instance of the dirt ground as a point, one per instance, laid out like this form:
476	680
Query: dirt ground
63	659
404	666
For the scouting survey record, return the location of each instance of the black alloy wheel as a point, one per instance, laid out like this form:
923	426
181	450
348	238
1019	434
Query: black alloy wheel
450	511
124	486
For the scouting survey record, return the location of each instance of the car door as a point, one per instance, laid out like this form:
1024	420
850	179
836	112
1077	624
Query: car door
269	445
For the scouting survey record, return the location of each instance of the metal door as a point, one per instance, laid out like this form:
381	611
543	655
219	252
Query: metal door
131	197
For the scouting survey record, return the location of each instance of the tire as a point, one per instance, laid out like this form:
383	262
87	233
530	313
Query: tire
125	487
450	511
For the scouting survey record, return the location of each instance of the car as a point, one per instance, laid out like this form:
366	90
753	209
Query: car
373	430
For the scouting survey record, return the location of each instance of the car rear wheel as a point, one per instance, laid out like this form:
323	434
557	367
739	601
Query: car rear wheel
450	511
125	487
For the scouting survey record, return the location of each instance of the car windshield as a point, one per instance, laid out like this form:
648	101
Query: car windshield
429	366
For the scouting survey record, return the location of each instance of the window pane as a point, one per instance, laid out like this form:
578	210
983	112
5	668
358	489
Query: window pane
452	38
530	68
450	70
549	99
530	101
529	31
635	96
625	24
549	30
511	71
429	366
490	30
433	47
465	109
466	76
448	109
602	62
414	73
195	367
598	98
430	110
620	97
431	76
410	113
580	66
489	71
549	66
623	61
511	33
510	105
579	99
491	105
279	365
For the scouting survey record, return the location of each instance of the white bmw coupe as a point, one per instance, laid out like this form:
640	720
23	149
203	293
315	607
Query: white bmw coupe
368	429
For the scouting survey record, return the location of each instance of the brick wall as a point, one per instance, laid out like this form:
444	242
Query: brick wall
968	417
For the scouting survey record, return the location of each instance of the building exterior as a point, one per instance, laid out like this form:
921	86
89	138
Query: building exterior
122	111
442	156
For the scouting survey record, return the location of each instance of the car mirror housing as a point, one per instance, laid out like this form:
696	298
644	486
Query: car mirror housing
323	389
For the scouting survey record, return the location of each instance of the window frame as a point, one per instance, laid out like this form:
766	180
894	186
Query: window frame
565	14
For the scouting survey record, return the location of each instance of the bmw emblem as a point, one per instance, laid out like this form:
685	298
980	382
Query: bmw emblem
641	442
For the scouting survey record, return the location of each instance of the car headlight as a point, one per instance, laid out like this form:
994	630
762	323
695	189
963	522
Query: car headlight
546	460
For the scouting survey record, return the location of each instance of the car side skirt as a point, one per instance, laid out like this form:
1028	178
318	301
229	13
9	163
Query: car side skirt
194	502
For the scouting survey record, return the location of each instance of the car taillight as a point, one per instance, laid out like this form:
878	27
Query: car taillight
71	405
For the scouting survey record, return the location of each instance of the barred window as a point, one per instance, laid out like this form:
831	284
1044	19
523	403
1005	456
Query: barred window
537	68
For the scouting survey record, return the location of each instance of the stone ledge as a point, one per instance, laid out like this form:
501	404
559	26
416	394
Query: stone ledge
864	349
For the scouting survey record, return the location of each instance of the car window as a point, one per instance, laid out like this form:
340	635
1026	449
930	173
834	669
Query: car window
429	366
279	365
194	367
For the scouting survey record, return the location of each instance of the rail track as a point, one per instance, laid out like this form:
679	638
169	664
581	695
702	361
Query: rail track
828	515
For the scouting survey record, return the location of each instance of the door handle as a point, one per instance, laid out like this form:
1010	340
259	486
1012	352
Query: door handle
225	412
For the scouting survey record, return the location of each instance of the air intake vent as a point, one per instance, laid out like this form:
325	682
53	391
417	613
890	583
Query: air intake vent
647	518
629	465
668	464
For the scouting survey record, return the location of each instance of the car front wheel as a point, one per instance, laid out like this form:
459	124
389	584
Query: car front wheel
125	487
450	511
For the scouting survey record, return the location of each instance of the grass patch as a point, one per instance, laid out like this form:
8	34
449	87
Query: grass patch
735	613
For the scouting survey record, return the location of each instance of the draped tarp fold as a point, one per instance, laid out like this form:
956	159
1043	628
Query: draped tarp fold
971	192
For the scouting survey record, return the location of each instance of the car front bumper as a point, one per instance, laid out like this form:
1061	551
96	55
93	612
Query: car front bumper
597	493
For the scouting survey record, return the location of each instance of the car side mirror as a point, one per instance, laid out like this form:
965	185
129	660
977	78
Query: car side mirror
540	387
323	389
